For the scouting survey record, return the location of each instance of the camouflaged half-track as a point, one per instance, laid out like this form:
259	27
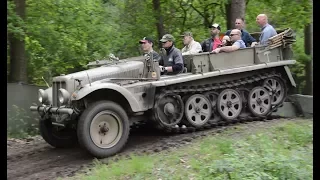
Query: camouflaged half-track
97	107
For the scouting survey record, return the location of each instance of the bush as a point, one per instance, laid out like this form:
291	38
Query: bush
21	123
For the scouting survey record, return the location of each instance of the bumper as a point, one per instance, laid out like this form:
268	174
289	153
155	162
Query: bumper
56	110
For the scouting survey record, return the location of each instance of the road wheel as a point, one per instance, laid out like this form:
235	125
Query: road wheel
229	104
259	101
103	129
56	136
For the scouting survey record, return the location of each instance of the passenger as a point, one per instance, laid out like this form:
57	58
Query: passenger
191	46
246	37
267	31
226	41
172	62
214	42
147	47
237	42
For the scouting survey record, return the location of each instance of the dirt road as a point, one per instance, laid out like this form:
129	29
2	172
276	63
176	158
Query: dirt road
35	159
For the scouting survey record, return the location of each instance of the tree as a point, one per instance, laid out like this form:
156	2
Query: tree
159	18
18	61
234	9
308	36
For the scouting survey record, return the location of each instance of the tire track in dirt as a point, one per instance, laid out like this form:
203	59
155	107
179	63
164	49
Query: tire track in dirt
38	160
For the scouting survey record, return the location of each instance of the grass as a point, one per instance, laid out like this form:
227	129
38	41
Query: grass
283	151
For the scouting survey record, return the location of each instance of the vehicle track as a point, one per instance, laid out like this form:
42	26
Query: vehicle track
35	159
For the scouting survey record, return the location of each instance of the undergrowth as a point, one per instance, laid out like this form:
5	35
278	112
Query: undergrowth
20	124
283	151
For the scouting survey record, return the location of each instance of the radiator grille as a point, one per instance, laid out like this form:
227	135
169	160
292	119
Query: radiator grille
55	88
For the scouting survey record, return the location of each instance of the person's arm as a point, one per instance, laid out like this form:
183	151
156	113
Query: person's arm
234	47
251	39
178	63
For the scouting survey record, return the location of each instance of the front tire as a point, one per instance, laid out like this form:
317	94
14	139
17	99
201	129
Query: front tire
59	138
103	129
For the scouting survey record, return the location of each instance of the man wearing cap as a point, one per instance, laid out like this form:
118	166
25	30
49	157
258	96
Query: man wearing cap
147	47
172	62
214	42
191	46
235	37
246	37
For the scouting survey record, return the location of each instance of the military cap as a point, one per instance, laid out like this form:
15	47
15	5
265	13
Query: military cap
187	34
167	37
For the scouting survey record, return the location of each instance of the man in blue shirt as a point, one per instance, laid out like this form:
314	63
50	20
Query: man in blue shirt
267	31
246	37
235	37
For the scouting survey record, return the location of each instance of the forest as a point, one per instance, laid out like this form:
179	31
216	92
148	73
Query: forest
46	38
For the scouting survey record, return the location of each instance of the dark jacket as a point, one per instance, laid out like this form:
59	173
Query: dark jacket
173	58
207	45
245	36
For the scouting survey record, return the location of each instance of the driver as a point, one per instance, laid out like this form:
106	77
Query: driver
171	62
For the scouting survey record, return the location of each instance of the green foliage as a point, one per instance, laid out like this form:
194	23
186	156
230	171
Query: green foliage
124	167
280	151
63	36
19	123
15	24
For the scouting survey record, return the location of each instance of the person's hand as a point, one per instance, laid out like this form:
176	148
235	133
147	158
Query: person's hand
216	50
162	69
224	42
254	44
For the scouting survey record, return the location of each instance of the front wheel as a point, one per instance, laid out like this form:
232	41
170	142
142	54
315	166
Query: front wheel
56	136
103	129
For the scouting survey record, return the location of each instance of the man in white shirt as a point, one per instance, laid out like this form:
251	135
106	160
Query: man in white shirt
190	45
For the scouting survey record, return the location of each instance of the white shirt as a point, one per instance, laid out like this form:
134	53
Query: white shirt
193	48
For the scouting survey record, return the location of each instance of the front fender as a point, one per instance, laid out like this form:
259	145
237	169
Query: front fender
135	106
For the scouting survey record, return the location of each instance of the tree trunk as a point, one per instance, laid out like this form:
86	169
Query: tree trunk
308	42
18	61
234	9
159	20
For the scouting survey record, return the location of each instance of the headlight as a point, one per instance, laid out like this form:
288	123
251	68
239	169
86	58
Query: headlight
63	96
42	96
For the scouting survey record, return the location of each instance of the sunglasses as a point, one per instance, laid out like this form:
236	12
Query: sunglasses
164	42
233	34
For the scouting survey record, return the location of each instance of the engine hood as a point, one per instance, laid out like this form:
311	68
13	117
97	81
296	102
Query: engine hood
123	69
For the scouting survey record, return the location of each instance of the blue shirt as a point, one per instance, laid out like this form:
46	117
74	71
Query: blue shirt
245	36
240	43
266	32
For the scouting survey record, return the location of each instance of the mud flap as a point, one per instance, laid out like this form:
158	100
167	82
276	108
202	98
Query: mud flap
286	68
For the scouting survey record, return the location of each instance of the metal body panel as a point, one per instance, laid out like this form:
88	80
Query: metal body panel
144	93
134	103
264	54
293	83
241	57
191	77
200	64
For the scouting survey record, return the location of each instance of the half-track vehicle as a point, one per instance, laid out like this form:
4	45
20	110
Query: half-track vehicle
97	107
